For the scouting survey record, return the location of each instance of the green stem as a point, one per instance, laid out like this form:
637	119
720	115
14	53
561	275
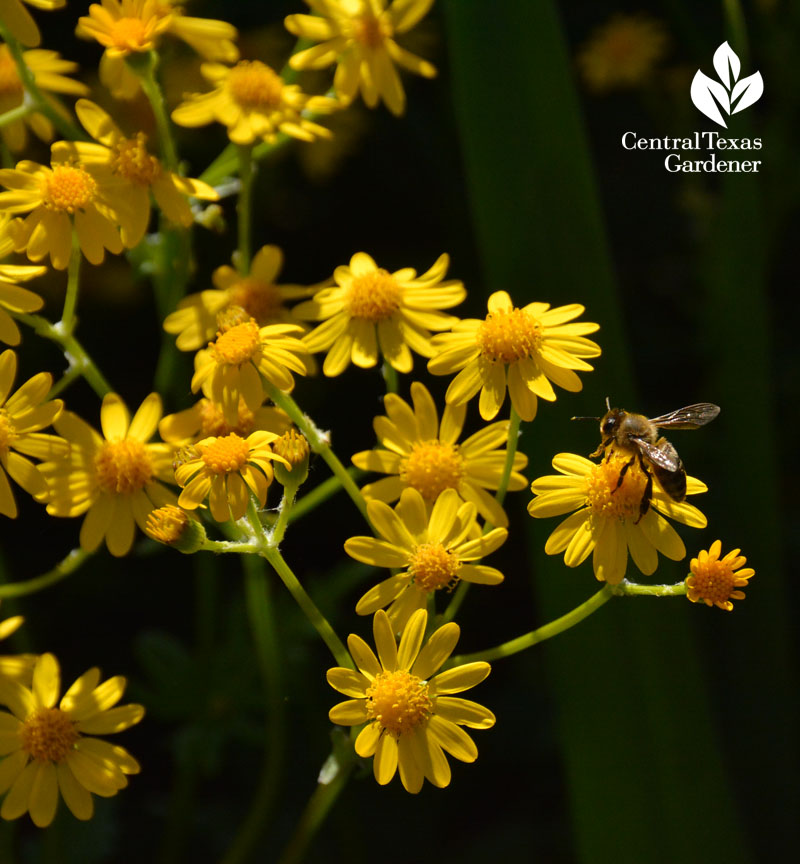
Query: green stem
244	208
264	630
511	452
320	494
73	283
64	568
319	443
73	351
390	377
145	68
318	807
15	114
631	589
41	104
514	646
284	514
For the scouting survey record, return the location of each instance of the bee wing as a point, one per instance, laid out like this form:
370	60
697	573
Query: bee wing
661	454
690	417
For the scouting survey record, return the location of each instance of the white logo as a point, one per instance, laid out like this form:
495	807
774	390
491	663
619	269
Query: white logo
734	94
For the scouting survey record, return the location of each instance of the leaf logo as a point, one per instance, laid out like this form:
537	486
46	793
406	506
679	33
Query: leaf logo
734	94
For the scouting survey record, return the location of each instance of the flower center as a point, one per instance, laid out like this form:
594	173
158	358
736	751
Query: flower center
129	34
238	344
10	85
133	162
434	567
713	580
7	433
226	455
432	467
508	336
371	31
612	501
261	300
213	423
123	466
68	188
48	735
399	701
373	296
253	85
167	524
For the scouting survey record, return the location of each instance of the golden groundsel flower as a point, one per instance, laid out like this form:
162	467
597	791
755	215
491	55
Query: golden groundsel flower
412	718
716	581
623	52
519	349
22	415
433	548
358	35
12	297
422	454
372	311
205	420
19	21
49	71
50	750
116	478
607	521
253	102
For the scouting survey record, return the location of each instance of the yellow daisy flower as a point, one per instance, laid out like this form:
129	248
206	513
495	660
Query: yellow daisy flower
195	319
623	52
49	71
254	103
19	22
13	298
716	581
205	419
22	415
113	478
411	715
225	470
521	349
50	750
56	199
423	454
358	35
371	311
15	667
432	547
126	163
126	27
607	520
232	366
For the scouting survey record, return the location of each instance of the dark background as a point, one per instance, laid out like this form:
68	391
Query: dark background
654	732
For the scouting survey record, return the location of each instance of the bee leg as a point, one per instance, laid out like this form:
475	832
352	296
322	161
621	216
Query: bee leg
622	473
601	448
647	496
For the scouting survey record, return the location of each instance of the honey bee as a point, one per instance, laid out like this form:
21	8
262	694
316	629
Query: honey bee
639	436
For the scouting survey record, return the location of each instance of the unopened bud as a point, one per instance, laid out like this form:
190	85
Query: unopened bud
174	527
293	446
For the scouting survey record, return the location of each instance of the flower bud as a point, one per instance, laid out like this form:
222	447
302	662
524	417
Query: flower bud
174	527
293	447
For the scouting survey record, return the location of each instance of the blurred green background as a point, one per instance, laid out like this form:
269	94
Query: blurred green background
654	732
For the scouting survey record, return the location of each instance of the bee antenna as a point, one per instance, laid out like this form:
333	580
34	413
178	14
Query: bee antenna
608	402
597	419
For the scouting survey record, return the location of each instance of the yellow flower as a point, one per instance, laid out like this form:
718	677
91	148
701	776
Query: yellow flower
424	455
126	27
358	35
126	164
56	199
177	528
253	102
113	478
50	71
223	470
716	581
371	311
15	667
607	520
623	52
12	297
233	365
205	419
412	718
432	547
19	22
521	349
22	415
51	749
195	319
